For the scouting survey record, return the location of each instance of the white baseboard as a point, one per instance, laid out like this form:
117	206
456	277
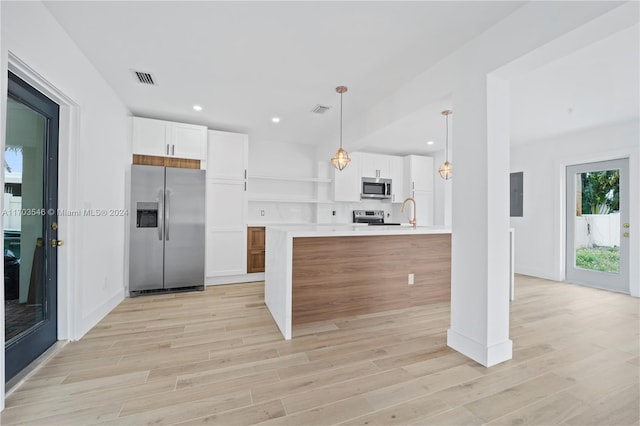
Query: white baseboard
95	316
234	279
538	273
482	354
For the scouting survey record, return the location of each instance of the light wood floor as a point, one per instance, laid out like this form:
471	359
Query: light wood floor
217	358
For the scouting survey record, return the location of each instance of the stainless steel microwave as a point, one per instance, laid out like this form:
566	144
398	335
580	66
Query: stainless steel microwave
376	188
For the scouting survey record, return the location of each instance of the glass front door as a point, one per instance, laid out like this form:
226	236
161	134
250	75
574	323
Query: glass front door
598	225
30	225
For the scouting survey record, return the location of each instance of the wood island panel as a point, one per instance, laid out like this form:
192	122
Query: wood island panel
336	277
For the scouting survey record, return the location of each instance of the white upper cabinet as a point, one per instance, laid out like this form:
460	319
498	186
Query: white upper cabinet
150	137
227	155
169	139
346	183
188	141
375	165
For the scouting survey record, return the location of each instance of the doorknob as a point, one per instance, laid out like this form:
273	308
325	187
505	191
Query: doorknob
626	235
56	243
625	225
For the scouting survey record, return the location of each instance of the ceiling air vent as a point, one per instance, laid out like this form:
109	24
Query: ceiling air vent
144	77
320	109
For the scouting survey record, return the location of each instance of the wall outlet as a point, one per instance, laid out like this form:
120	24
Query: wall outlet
261	212
410	279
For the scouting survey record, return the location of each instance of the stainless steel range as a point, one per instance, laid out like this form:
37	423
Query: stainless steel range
371	217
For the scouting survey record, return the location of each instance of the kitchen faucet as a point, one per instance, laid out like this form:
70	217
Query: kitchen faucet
411	221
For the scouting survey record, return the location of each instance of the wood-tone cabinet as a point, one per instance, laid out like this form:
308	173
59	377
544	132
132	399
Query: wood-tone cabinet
169	139
255	249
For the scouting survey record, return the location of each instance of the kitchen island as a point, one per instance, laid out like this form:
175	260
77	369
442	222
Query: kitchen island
323	272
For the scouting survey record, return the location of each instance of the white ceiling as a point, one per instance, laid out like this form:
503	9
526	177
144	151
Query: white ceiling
246	62
592	87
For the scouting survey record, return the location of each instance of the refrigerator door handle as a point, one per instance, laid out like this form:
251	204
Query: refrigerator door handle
160	210
167	221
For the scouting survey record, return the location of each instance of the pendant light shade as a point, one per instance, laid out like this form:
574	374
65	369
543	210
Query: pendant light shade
341	158
446	171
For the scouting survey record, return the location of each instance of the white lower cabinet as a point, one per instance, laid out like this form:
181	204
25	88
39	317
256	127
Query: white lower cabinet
226	243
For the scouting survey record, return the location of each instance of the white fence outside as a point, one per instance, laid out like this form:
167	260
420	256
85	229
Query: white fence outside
597	230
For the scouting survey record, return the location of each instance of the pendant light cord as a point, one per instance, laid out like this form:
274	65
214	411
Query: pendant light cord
340	120
447	140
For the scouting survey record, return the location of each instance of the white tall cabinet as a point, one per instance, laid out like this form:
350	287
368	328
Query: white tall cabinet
226	227
397	179
418	183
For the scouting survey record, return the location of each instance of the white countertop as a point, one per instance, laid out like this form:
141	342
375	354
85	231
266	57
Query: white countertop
356	230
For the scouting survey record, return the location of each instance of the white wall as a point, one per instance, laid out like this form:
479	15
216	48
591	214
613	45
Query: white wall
289	161
94	154
539	234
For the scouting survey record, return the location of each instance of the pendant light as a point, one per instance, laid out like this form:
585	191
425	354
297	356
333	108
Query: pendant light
446	171
341	158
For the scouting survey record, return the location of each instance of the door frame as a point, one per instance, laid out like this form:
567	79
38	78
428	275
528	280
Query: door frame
68	141
633	156
586	277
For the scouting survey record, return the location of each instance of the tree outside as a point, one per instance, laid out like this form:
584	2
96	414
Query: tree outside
599	195
600	192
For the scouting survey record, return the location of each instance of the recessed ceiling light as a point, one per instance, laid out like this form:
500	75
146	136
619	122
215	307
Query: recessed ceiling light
197	107
276	119
430	142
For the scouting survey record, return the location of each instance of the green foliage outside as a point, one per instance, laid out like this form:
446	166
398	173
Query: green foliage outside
605	259
600	192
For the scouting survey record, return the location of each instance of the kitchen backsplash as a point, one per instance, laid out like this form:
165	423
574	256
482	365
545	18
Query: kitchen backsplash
279	212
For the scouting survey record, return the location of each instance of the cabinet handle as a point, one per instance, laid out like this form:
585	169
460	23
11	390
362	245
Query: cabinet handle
413	186
173	149
245	173
245	187
167	149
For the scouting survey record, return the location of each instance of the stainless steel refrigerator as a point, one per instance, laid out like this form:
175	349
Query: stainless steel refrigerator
167	229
